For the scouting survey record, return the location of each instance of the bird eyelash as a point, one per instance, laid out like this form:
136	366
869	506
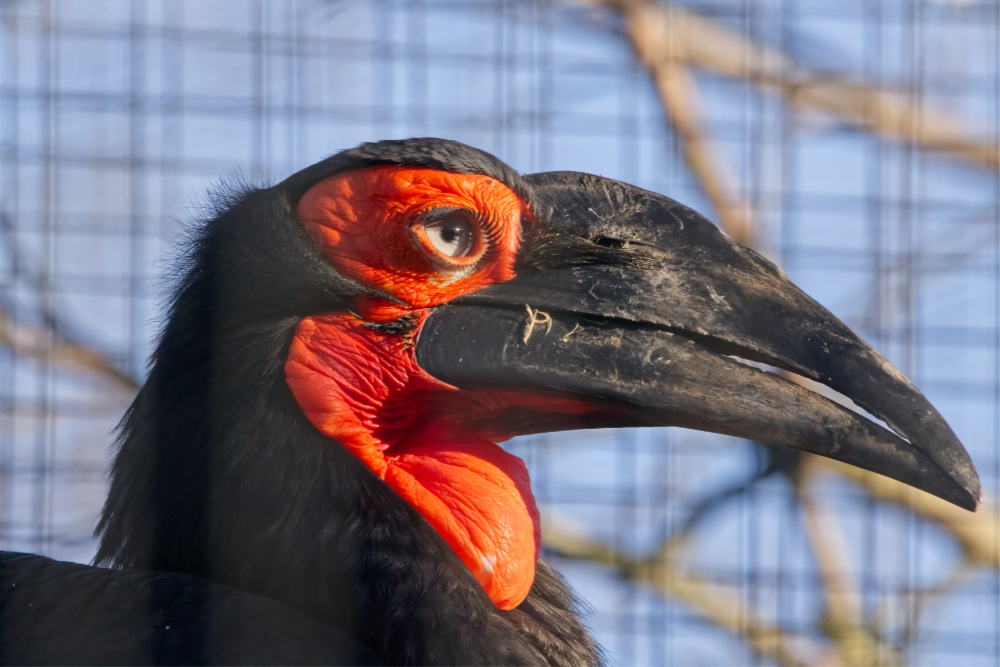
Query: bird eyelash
491	227
488	222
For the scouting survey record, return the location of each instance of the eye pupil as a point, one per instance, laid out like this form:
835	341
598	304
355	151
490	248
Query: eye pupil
451	235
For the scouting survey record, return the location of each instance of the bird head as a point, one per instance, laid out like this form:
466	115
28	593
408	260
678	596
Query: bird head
419	302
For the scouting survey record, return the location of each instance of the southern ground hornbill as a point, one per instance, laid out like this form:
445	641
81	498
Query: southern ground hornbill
311	474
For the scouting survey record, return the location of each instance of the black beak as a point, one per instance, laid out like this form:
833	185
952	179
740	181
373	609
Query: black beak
629	300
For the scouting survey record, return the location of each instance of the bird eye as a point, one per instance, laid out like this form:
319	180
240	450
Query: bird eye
452	235
448	235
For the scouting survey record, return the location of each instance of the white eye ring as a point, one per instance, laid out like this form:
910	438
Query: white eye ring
452	235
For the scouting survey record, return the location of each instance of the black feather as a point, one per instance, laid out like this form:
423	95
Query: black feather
63	614
433	153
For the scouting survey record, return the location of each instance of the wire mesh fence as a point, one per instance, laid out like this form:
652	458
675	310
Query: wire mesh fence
855	143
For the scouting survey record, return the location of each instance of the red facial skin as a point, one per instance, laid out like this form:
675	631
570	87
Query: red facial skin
362	219
432	443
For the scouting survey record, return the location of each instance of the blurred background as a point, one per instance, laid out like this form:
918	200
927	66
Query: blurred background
854	142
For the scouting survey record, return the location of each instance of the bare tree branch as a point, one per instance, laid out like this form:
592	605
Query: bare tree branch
717	603
977	533
844	618
665	35
679	95
42	343
48	341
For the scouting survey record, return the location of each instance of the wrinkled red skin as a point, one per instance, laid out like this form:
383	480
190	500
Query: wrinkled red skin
432	443
361	221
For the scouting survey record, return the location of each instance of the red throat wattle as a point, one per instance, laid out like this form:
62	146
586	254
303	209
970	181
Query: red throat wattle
424	237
